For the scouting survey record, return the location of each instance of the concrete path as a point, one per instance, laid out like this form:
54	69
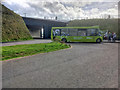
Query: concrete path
35	41
85	65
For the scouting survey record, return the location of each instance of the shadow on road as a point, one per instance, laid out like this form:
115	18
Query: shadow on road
89	42
82	43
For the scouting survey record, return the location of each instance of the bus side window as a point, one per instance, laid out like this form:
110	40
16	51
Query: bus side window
64	32
56	32
91	32
82	32
72	31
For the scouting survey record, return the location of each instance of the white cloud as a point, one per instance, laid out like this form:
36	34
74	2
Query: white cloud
62	8
94	10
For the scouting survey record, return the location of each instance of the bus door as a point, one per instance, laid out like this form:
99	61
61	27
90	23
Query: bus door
81	35
72	34
64	33
91	33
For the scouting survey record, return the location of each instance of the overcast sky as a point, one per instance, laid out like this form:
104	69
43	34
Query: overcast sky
64	9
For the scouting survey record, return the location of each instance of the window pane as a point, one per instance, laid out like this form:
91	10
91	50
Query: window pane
91	32
56	32
64	32
82	32
72	31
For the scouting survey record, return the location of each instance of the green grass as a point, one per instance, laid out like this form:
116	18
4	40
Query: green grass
9	52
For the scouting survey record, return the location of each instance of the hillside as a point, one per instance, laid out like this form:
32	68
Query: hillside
13	26
105	24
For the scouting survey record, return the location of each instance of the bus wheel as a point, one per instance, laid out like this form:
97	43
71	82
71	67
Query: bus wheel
64	40
98	40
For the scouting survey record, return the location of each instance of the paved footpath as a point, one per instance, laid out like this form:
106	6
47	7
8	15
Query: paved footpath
35	41
85	65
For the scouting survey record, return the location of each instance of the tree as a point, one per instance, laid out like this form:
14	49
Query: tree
109	16
56	18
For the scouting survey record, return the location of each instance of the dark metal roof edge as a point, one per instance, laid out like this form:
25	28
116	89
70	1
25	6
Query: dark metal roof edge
44	19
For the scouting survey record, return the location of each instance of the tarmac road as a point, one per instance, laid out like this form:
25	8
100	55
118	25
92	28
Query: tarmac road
85	65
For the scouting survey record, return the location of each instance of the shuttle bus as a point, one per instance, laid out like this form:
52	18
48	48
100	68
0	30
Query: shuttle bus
77	34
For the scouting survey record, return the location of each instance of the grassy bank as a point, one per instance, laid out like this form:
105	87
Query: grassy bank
9	52
13	27
105	24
